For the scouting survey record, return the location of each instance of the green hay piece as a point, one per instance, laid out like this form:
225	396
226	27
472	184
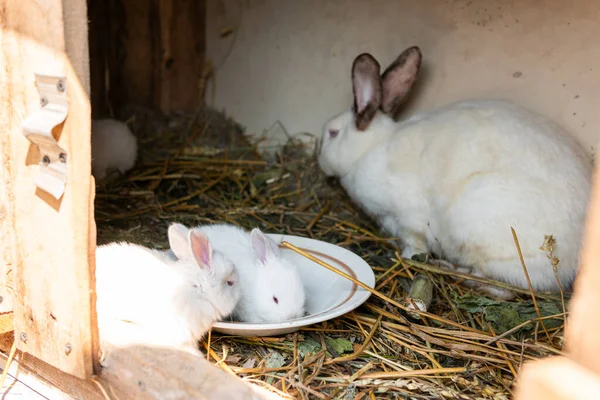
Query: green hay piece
308	347
506	315
339	345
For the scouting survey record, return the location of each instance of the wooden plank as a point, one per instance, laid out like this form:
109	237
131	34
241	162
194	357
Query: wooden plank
582	339
91	251
133	54
50	238
99	43
6	207
157	51
556	378
141	372
183	36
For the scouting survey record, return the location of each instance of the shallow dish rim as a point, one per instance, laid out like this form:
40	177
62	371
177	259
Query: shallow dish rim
358	296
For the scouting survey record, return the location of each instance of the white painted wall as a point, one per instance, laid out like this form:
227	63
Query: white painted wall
289	60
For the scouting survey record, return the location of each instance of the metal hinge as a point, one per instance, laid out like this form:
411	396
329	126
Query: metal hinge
52	176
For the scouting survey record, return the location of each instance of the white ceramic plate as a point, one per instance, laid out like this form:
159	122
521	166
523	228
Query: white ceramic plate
328	295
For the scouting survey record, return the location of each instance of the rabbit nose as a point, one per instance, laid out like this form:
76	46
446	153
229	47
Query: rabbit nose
333	132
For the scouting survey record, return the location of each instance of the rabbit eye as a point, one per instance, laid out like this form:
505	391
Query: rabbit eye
276	300
333	133
230	283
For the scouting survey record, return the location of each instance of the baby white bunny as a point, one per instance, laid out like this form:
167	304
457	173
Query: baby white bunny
454	181
272	289
174	302
113	147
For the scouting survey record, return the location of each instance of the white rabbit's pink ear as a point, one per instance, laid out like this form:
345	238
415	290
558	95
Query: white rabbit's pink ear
178	240
200	248
263	246
366	86
398	79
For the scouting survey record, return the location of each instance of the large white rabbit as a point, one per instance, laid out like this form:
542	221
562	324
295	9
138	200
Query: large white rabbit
455	180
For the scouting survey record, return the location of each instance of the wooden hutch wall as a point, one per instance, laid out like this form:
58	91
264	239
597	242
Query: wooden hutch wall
146	52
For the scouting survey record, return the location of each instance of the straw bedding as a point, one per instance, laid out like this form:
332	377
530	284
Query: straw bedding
198	168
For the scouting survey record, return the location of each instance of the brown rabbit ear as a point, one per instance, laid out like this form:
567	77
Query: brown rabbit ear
366	86
399	78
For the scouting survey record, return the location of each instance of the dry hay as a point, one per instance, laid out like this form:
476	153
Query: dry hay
198	169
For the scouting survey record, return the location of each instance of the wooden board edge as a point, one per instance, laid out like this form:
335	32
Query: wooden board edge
556	378
92	271
136	373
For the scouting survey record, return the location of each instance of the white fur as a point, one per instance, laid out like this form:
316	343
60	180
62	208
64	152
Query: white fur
260	281
454	181
172	303
113	147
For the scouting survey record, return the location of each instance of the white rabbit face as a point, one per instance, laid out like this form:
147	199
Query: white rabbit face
279	294
213	276
282	297
221	284
332	143
342	144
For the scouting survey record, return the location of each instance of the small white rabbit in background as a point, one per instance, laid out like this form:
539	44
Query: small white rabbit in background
172	302
272	289
113	147
455	180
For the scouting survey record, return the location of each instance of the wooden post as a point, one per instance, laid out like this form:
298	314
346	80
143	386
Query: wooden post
100	45
182	48
49	238
156	52
582	338
576	376
132	58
